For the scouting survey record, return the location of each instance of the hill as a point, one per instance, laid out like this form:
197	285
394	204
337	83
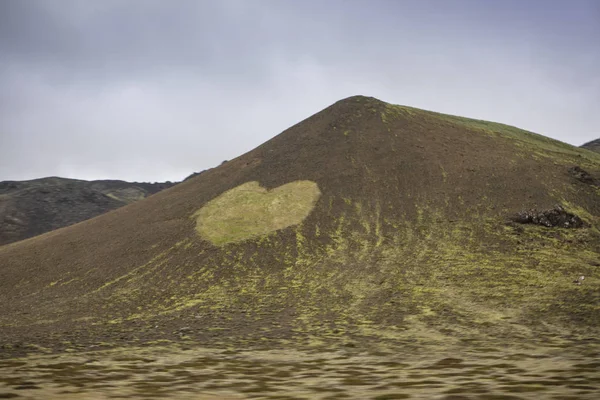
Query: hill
30	208
367	223
594	145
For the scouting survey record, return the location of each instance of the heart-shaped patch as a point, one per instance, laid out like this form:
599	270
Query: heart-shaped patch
250	210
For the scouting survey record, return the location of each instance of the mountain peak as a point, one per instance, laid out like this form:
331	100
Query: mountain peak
387	214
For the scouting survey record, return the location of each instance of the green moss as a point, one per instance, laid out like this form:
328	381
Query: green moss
444	174
249	211
142	271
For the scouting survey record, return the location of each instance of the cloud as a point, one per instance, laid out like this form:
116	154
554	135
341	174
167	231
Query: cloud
154	90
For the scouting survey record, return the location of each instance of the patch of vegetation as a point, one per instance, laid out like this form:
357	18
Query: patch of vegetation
394	279
249	210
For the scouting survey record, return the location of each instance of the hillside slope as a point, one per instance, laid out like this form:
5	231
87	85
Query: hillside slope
369	221
594	145
30	208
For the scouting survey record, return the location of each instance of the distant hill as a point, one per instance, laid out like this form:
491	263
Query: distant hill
30	208
594	145
367	223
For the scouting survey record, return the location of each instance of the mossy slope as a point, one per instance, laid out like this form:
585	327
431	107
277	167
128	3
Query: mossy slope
249	210
407	237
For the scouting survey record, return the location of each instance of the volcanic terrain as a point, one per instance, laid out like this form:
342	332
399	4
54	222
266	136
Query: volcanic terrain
594	145
30	208
367	227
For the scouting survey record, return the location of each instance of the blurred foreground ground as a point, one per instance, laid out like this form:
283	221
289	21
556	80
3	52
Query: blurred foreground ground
561	370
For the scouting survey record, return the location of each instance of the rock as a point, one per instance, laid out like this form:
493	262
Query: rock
583	176
555	217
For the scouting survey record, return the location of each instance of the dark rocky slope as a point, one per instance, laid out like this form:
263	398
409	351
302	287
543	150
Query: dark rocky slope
30	208
594	145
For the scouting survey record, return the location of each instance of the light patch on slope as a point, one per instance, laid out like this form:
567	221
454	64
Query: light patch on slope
250	210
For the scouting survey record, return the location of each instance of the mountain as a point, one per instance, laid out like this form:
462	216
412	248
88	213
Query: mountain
594	145
366	223
30	208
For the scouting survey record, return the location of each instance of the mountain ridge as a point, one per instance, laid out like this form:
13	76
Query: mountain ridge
411	237
30	208
593	145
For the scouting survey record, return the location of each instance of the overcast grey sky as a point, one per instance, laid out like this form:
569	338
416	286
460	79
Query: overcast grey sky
153	90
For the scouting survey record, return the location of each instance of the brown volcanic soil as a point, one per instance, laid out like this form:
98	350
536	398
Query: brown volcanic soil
410	238
30	208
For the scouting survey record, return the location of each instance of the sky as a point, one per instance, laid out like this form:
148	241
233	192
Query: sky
148	90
